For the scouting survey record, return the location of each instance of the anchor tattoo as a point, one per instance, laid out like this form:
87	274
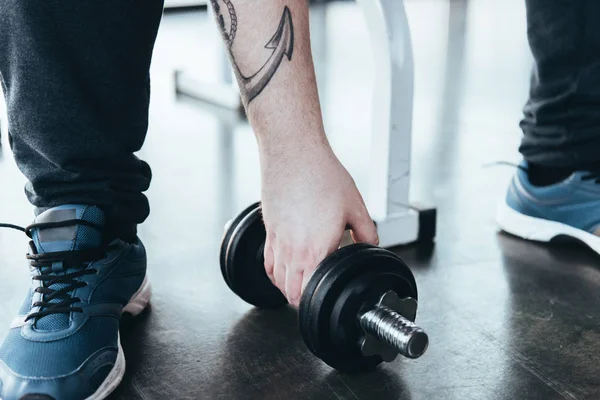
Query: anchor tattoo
281	44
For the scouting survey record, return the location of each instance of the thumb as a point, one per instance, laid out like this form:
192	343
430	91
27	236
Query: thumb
363	228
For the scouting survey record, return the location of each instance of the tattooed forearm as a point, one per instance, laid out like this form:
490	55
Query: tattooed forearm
281	45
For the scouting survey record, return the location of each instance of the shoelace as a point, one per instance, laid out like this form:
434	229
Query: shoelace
77	260
507	163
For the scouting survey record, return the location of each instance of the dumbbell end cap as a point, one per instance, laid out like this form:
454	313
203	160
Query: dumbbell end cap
417	344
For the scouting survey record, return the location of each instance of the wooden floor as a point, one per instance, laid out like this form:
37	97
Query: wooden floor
507	319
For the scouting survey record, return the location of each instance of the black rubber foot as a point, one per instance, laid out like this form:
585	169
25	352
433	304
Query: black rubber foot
427	223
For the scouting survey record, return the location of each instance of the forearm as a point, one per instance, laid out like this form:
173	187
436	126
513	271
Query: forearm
269	45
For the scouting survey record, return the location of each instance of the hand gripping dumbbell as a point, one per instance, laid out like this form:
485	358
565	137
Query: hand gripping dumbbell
357	310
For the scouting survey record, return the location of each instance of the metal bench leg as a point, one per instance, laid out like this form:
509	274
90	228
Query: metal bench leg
389	179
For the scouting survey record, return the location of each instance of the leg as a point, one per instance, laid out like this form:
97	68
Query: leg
561	122
76	80
555	192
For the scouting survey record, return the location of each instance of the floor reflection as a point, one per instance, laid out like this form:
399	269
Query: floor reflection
551	326
260	359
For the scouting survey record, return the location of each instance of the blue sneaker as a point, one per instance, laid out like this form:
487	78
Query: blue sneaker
64	344
568	208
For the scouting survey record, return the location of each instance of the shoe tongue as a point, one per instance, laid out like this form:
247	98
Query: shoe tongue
67	238
73	237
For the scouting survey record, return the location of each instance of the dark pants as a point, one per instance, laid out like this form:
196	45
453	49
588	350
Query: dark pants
561	123
76	79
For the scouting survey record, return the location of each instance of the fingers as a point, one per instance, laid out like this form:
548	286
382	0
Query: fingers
300	268
274	264
269	259
290	266
293	284
305	278
279	271
363	228
292	256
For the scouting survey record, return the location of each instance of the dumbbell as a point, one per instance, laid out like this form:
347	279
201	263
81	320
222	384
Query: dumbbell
357	310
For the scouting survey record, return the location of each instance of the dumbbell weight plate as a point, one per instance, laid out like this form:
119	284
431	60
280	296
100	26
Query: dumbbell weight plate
227	237
347	283
243	266
315	280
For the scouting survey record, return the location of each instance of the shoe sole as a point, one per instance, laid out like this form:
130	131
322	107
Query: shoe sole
139	301
539	229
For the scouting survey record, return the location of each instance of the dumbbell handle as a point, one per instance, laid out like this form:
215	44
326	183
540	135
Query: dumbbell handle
393	329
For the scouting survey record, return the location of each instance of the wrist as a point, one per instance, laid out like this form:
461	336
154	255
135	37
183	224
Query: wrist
273	145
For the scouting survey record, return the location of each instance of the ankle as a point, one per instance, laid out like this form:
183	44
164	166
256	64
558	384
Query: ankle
119	230
543	175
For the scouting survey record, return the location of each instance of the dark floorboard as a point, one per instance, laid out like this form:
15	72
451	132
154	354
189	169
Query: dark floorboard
507	319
